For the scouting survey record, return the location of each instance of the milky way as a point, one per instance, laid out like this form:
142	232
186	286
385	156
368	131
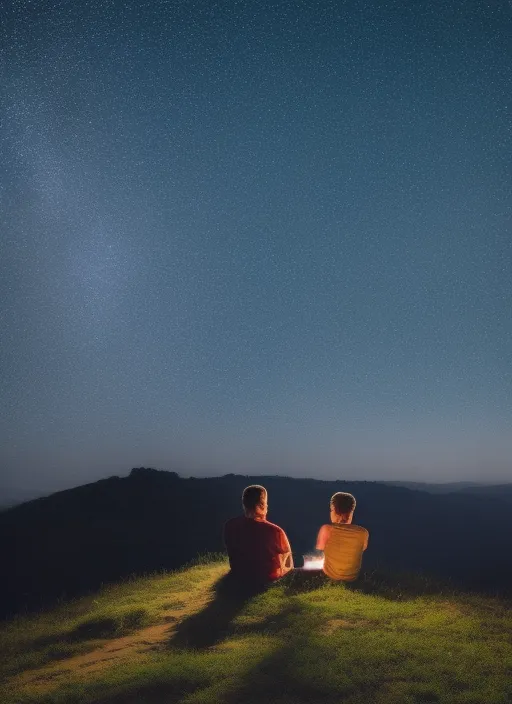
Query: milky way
256	236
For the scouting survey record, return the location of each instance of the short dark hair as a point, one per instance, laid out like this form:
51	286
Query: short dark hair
343	503
252	496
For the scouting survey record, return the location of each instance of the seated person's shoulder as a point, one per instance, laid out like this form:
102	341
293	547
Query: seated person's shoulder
361	530
277	534
363	535
273	527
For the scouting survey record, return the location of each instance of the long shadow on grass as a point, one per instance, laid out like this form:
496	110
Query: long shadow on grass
284	675
197	632
209	626
298	669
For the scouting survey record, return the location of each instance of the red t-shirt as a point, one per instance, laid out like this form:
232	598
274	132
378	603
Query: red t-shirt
254	547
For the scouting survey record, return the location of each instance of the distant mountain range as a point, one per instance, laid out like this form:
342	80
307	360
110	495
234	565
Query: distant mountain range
73	540
439	488
498	491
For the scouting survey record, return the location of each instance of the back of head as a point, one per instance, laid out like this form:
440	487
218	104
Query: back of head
343	503
253	496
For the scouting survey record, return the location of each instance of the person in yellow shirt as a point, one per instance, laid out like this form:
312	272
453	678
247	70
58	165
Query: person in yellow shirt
342	542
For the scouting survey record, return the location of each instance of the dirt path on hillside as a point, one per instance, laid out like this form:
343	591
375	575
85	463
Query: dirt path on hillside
117	651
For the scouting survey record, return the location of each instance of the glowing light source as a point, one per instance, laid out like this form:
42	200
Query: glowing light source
313	562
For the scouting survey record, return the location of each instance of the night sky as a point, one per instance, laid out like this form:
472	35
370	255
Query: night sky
256	236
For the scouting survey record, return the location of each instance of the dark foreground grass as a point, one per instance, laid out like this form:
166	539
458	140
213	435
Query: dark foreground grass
303	640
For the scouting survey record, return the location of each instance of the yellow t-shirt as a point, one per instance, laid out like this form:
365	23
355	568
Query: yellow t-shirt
343	551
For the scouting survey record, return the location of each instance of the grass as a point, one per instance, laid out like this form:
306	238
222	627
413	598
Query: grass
185	638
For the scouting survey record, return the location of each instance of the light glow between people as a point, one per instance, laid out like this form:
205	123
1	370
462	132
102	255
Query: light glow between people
313	563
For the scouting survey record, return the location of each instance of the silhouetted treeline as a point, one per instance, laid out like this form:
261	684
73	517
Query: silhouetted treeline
74	540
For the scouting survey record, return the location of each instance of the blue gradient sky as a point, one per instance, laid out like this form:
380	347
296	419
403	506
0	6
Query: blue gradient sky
256	236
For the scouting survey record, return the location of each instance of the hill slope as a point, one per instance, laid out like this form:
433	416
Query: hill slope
182	638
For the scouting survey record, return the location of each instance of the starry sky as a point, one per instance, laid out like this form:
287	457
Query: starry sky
253	235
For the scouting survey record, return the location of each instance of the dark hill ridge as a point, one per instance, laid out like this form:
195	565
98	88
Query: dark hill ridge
501	491
74	540
444	488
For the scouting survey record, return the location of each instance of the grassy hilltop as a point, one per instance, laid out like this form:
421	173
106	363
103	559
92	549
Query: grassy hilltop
178	637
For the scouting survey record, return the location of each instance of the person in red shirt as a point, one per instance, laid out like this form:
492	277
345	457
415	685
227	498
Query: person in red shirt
258	550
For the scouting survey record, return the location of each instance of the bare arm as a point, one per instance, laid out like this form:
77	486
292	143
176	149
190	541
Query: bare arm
323	536
286	556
